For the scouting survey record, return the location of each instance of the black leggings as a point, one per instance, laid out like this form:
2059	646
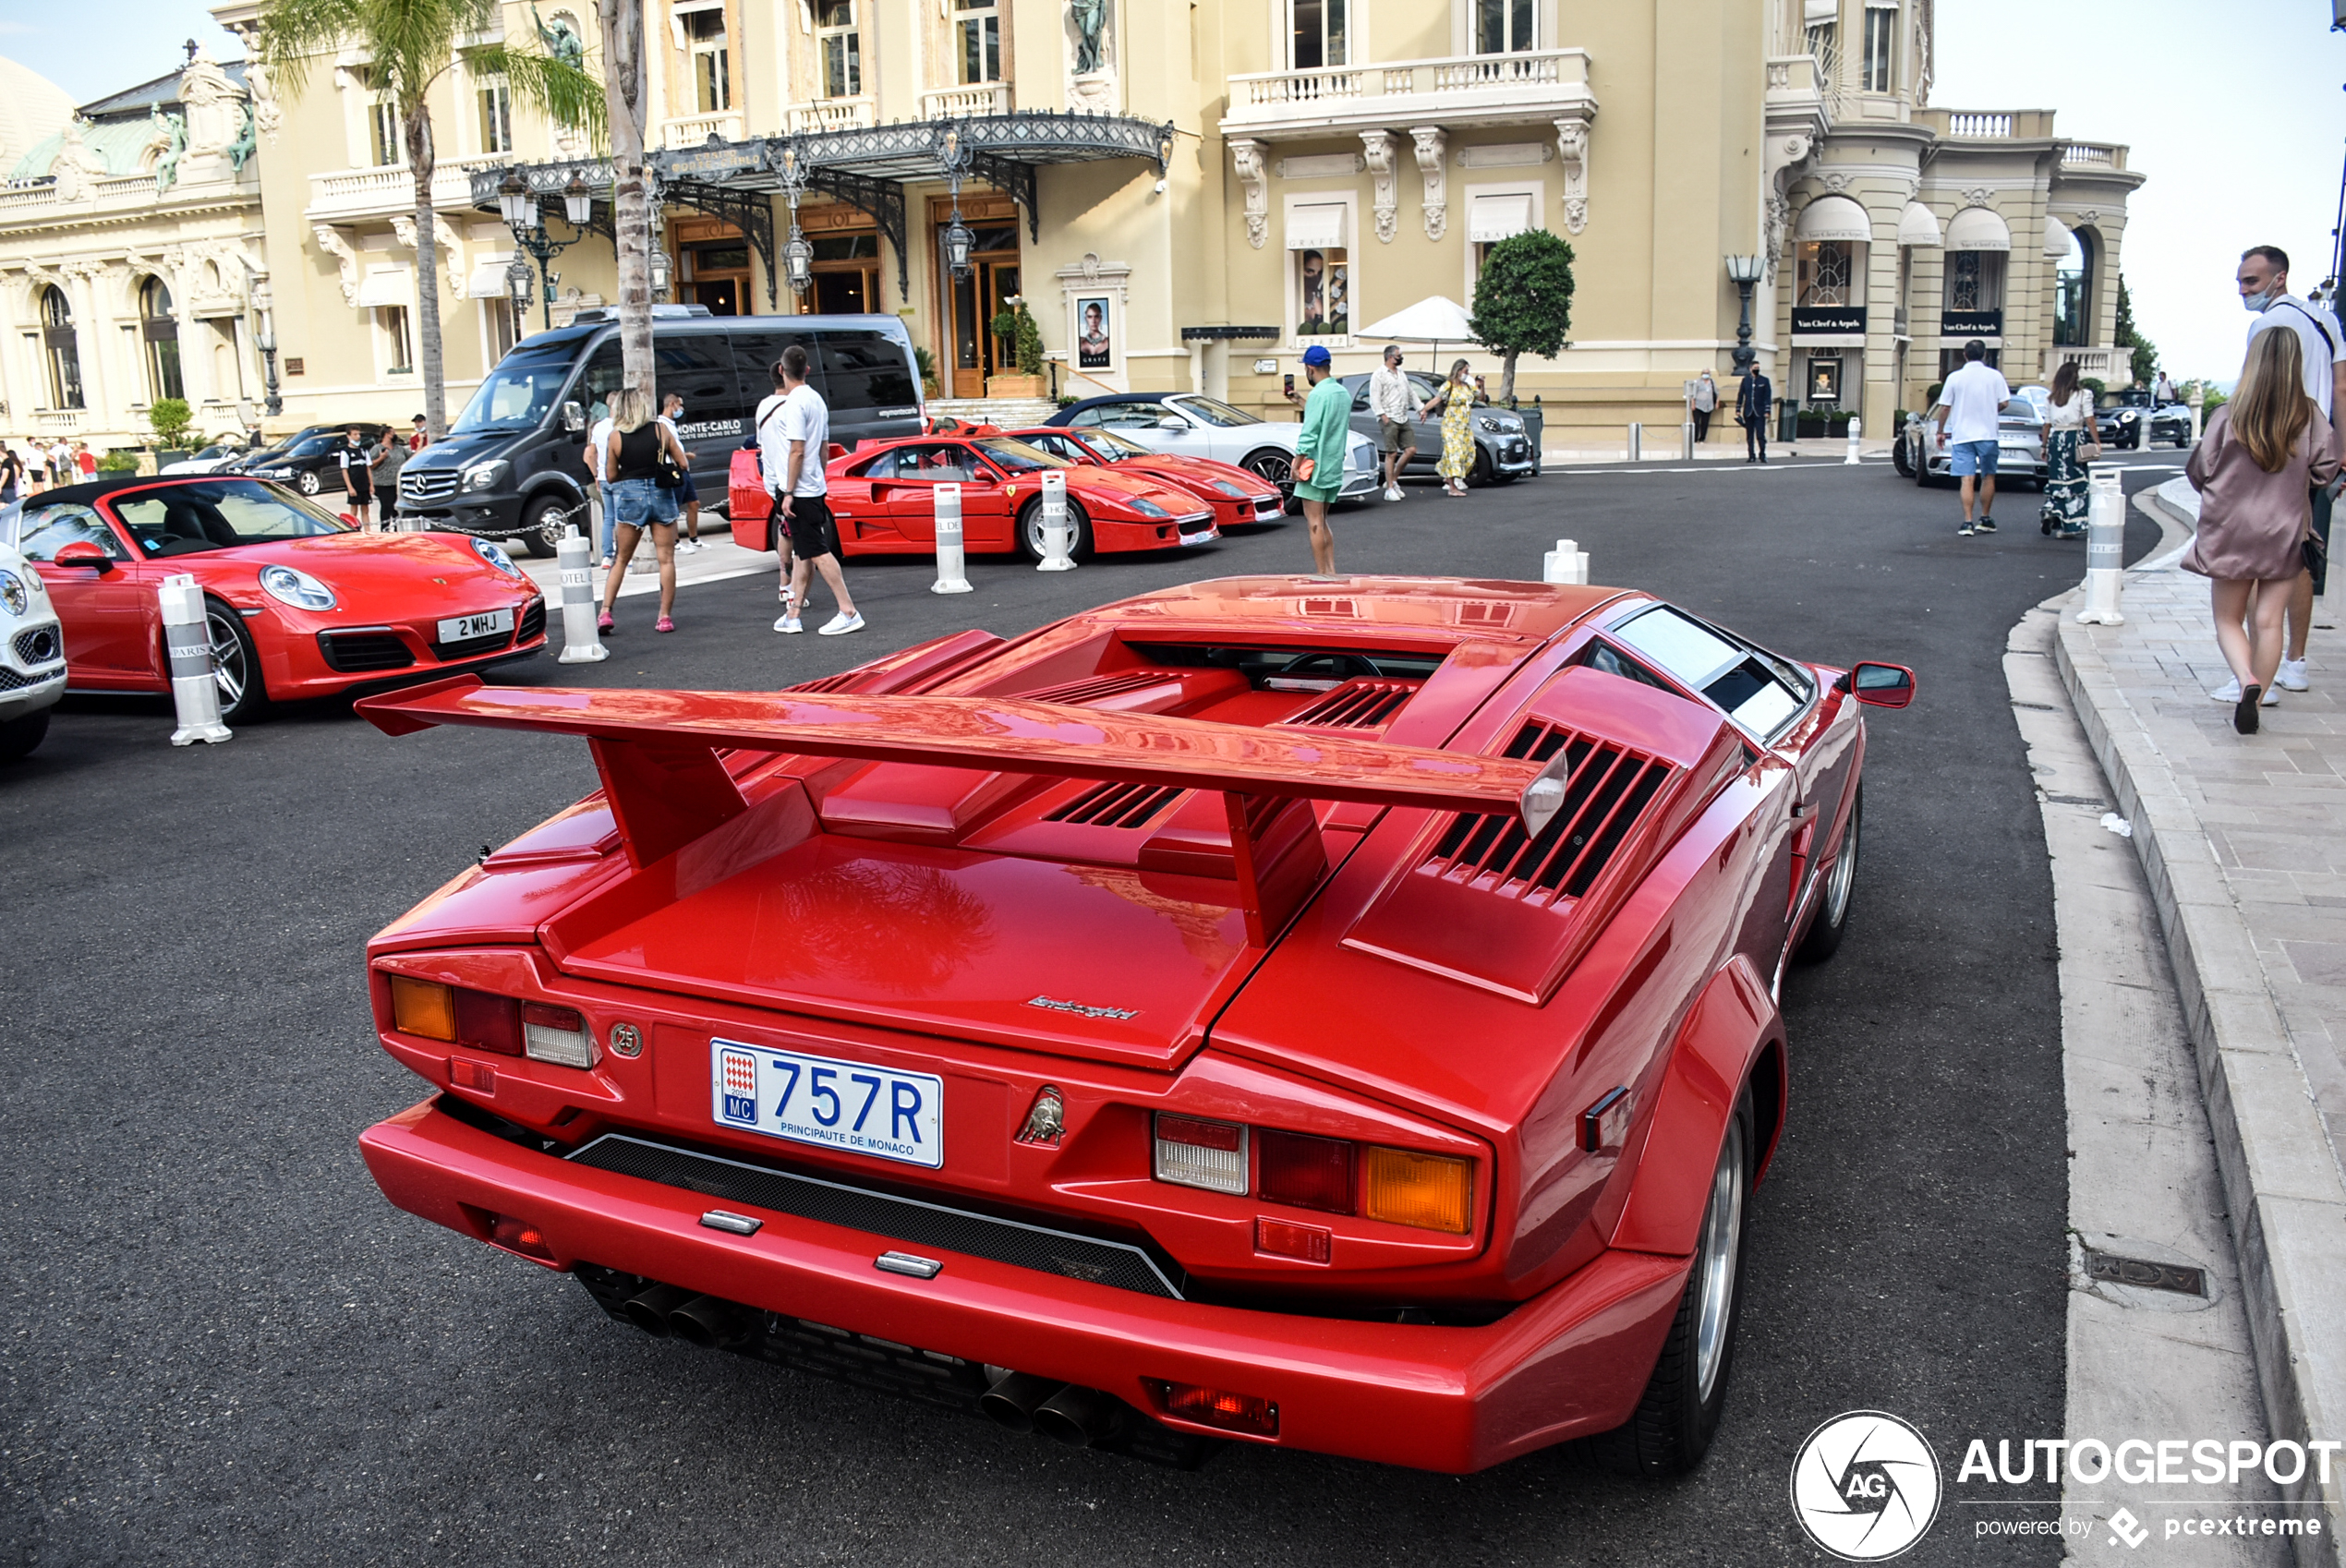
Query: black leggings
1702	424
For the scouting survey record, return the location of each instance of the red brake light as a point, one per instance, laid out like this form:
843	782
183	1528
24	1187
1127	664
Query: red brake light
1218	1407
466	1073
1229	1137
519	1235
1310	1173
491	1023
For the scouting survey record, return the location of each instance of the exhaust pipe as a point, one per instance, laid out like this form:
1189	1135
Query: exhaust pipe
648	1309
1079	1417
1015	1397
708	1322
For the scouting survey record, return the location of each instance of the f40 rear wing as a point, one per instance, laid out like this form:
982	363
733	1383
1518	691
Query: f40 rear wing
657	752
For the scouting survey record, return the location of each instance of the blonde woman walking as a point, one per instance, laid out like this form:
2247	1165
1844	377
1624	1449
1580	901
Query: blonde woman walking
1455	399
641	497
2254	468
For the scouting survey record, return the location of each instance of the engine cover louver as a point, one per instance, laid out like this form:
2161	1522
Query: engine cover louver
1116	805
1094	688
1606	790
1356	705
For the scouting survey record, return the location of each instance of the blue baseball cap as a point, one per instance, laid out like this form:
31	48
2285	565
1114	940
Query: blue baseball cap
1316	354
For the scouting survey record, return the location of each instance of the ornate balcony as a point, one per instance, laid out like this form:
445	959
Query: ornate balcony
1454	92
831	115
342	195
2090	157
694	130
963	103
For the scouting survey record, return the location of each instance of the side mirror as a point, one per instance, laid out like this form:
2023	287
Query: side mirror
573	417
81	552
1881	685
1172	422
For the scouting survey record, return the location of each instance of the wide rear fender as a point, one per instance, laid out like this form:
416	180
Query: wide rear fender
1733	1035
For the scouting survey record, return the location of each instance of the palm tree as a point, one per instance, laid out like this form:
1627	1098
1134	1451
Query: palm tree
411	44
624	105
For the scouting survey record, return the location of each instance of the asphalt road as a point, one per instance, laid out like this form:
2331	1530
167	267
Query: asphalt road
225	1347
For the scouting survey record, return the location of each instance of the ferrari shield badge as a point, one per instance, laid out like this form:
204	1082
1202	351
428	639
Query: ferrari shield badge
1045	1118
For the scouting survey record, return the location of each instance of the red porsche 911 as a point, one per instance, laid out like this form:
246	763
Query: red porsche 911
1236	495
1336	1014
883	496
299	603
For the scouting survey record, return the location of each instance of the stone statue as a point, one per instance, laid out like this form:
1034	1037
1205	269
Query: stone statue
1091	20
560	39
248	138
171	137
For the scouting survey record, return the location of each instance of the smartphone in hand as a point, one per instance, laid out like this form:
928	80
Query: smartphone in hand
1290	384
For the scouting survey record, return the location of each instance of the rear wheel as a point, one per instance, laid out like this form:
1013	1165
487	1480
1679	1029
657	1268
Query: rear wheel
1276	466
1679	1414
542	525
19	736
1030	531
235	665
1831	919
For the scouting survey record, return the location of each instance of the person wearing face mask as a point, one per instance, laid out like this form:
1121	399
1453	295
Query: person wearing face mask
671	409
2264	289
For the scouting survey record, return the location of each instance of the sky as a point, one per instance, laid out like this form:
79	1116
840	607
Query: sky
2235	113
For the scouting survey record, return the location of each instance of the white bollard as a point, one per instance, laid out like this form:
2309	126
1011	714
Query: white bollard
582	643
950	576
195	686
1855	428
1058	539
1566	563
1636	442
1686	441
2105	545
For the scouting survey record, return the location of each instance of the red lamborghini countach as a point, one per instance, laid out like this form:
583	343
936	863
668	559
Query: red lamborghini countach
1336	1014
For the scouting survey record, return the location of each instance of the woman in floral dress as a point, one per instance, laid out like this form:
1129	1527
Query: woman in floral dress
1455	399
2069	423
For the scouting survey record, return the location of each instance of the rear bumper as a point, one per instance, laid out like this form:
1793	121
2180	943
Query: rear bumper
1570	1362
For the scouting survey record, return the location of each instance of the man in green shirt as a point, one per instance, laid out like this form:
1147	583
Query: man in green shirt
1327	430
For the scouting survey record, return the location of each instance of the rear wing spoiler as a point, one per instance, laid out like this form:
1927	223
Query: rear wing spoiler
657	753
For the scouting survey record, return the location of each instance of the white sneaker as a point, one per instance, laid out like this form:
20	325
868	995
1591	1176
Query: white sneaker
789	624
2271	697
840	625
1393	493
2293	676
2228	692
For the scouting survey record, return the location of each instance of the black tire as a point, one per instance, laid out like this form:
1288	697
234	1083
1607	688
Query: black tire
1679	1413
1030	530
308	482
1831	919
1275	465
1485	472
543	523
19	736
244	696
1902	458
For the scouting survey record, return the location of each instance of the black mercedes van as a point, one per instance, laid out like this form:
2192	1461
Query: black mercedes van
511	466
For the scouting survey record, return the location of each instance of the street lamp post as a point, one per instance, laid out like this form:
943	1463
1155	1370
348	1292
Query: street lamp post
798	256
1744	271
958	241
517	204
264	338
660	266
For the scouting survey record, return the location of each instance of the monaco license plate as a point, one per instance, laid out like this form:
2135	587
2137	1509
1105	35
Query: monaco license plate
851	1106
463	628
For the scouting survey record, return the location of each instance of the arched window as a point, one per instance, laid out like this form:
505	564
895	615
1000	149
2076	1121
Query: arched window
65	352
160	330
2073	296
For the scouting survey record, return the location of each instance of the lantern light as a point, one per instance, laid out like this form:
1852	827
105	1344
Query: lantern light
514	201
578	202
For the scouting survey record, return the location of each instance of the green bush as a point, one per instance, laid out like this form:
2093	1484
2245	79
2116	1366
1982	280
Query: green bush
1016	323
170	419
120	461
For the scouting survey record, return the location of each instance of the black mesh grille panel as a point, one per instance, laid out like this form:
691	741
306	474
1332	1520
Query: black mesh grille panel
37	645
1116	805
354	652
1607	789
533	620
1117	1263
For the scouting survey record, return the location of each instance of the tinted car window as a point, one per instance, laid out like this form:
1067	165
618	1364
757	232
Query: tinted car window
518	392
43	531
865	370
1756	690
598	381
754	356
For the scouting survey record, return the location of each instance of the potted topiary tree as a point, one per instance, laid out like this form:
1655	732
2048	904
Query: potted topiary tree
170	419
1015	324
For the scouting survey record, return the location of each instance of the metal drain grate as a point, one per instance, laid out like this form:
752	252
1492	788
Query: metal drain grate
1117	1263
2145	1274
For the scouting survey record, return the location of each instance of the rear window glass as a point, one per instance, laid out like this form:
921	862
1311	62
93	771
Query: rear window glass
1759	691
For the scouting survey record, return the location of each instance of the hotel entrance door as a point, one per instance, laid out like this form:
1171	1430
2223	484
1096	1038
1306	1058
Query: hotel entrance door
971	303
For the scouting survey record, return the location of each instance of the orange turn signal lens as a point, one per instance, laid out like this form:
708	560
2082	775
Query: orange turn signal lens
423	1007
1430	1192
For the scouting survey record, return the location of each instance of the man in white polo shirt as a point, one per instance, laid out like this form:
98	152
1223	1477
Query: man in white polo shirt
1969	405
2263	288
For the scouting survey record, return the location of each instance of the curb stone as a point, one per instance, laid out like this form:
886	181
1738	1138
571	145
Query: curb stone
2281	1178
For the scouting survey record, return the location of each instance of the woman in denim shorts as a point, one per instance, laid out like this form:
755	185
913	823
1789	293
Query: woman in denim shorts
638	500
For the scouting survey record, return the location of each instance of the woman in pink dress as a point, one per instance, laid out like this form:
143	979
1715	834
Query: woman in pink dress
2255	470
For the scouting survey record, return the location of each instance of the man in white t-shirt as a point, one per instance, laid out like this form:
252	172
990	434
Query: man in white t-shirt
1967	411
598	496
794	431
2263	288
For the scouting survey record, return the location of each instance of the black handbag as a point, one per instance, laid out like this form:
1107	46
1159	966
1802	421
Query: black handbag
665	470
2315	548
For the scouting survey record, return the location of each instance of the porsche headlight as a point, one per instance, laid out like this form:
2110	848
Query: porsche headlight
495	556
298	589
1147	508
13	593
481	476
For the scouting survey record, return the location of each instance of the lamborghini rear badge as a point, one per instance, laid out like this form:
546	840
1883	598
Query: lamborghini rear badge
1045	1119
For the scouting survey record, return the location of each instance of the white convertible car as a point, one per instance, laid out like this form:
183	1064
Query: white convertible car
33	654
1190	425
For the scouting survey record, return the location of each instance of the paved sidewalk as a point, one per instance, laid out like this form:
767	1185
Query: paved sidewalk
2243	839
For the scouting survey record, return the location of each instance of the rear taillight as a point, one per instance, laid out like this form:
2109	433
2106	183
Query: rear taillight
423	1007
491	1023
1400	1186
487	1022
557	1035
520	1235
1218	1407
1192	1153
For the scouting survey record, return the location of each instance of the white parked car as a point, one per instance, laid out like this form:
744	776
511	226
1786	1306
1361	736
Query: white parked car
33	654
1190	425
210	460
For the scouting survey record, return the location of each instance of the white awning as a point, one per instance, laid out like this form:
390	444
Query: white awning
1498	217
489	281
2058	238
1918	226
1835	217
387	286
1977	229
1818	12
1319	226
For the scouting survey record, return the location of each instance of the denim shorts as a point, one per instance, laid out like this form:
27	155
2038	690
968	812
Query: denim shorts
635	502
1972	458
